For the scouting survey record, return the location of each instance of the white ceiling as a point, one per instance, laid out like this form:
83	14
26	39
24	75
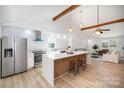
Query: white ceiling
12	14
107	13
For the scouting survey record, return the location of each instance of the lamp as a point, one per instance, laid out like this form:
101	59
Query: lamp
70	27
123	47
98	32
81	25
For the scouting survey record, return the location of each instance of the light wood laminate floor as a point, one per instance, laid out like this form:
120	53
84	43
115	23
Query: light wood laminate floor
97	75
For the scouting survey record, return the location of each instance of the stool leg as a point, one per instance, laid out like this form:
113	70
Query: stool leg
81	64
84	66
70	68
76	69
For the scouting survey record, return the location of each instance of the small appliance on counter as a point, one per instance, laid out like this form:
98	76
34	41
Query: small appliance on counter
69	50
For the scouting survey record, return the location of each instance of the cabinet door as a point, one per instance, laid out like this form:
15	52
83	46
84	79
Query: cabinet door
59	68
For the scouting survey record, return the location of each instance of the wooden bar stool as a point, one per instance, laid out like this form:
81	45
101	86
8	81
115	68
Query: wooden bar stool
74	66
82	63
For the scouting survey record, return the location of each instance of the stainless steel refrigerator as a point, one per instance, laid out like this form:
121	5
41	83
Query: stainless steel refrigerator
14	56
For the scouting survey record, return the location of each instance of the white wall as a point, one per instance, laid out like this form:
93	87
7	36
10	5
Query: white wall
78	40
43	22
54	31
60	40
89	18
92	42
19	21
120	44
36	18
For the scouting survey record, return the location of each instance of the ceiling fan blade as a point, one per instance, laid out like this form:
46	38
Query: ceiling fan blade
100	31
105	29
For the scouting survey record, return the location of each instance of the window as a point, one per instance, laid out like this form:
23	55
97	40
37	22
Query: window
51	45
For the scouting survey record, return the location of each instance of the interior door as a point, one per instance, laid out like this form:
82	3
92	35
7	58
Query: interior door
20	55
7	56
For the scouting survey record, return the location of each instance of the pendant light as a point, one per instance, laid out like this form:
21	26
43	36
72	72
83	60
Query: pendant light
97	31
81	24
70	27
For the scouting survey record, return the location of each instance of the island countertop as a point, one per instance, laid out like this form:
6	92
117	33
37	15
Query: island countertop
58	55
53	65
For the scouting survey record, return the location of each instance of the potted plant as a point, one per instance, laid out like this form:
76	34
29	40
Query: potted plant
123	47
95	47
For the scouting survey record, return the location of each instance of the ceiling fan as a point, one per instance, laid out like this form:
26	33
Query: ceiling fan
99	30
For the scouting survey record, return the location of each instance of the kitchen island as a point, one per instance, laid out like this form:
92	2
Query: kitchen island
56	64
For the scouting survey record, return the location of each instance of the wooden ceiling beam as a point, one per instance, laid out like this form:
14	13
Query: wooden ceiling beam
66	11
103	24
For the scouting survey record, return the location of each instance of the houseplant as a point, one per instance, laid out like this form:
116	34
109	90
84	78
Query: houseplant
123	47
95	47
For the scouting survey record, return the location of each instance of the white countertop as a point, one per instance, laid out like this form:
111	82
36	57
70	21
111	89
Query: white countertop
58	55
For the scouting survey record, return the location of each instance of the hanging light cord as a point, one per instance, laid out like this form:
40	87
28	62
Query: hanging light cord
81	16
97	14
70	20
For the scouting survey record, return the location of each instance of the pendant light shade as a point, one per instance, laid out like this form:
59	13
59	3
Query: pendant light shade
98	32
81	24
70	27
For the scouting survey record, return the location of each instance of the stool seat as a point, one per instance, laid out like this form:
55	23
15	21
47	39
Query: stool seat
74	66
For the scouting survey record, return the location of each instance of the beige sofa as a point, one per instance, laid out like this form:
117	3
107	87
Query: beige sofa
111	57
